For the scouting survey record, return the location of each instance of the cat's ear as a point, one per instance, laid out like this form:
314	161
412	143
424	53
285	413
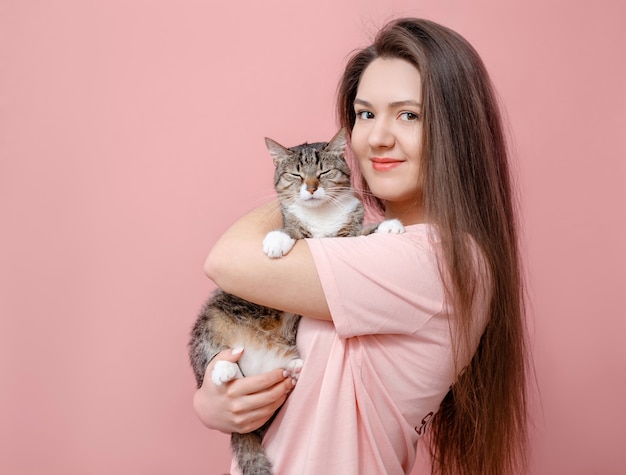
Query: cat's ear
277	151
337	144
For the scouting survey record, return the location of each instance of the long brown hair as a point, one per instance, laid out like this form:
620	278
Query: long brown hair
481	426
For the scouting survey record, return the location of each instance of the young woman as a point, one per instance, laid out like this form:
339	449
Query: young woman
402	335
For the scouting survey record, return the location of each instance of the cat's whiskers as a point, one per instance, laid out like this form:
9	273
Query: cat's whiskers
272	213
334	196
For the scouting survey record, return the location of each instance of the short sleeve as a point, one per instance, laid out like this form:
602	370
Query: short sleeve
381	283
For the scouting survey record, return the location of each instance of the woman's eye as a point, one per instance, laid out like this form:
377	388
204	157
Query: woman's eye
409	116
364	115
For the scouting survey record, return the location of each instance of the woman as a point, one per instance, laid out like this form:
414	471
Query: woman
402	335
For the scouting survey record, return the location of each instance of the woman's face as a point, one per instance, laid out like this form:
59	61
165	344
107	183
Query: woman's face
387	134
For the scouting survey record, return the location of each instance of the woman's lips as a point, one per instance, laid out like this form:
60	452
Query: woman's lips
385	164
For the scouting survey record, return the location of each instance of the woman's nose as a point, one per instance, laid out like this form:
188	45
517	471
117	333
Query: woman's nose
381	135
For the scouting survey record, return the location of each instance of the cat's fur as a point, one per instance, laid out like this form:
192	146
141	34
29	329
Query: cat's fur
313	186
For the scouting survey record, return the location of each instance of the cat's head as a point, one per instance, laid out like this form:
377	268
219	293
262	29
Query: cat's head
311	174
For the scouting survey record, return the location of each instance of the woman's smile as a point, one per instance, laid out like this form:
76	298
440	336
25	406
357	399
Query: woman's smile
383	164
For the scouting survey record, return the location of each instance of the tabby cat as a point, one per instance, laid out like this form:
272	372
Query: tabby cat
312	182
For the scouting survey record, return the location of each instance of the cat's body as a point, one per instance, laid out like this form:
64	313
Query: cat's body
313	185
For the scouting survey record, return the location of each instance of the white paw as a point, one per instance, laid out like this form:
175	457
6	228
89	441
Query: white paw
293	367
224	371
277	244
391	226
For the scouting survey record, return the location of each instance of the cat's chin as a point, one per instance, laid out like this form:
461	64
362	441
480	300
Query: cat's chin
312	203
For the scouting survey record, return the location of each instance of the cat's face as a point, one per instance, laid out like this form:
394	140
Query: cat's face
311	174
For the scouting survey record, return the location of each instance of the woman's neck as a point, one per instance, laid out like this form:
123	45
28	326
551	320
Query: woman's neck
407	213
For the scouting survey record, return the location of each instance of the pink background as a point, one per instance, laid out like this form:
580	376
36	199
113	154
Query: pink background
131	135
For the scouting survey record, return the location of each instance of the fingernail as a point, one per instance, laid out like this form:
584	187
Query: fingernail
293	381
237	350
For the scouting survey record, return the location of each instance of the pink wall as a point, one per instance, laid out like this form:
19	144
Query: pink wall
131	135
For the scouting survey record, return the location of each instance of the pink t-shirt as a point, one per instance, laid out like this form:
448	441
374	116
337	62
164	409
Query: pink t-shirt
374	377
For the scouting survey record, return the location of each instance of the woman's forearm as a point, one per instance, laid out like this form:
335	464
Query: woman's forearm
238	265
241	237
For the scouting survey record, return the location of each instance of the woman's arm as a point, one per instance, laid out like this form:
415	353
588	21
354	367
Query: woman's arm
238	265
241	405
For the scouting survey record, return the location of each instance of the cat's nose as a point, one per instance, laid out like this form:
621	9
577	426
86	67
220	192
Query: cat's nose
311	186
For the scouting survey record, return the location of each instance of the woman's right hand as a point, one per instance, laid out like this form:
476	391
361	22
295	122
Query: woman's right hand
241	405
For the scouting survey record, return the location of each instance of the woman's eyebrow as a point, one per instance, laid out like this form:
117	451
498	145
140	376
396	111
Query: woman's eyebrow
393	105
408	102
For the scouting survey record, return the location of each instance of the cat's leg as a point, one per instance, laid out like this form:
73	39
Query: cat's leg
250	455
293	367
391	226
225	371
277	243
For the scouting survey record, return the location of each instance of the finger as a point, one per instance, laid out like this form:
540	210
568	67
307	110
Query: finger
260	383
258	403
252	420
228	354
